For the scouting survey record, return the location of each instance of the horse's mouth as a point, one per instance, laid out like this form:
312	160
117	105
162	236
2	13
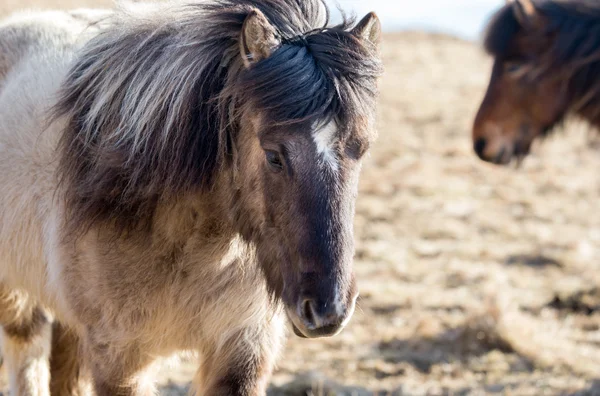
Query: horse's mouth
325	331
306	325
521	150
511	153
507	149
503	157
298	332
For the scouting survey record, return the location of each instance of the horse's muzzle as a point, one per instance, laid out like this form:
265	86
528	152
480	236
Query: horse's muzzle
313	320
500	154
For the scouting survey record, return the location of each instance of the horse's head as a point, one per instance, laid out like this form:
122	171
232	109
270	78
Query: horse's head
306	122
523	100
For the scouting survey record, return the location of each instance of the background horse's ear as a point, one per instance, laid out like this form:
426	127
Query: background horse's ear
525	12
369	29
258	38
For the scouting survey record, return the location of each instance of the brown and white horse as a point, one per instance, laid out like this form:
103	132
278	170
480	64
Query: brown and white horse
546	66
177	177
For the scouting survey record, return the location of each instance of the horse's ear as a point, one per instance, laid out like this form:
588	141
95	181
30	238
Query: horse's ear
369	29
258	38
525	12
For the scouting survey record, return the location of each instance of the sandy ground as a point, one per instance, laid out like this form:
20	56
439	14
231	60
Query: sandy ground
474	279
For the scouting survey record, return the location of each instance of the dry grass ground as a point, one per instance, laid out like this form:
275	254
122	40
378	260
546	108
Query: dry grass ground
475	280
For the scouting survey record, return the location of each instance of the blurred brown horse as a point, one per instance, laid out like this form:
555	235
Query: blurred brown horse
546	66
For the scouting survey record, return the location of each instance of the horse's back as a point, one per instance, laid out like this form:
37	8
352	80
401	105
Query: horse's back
29	32
36	50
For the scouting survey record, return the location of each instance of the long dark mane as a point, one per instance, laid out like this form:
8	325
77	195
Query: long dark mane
152	103
565	44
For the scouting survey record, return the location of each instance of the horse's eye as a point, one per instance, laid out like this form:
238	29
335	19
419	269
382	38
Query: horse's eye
512	67
274	160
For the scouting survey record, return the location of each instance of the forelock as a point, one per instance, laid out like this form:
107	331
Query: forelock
328	75
501	31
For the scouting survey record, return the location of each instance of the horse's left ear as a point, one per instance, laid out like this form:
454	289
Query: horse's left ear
369	29
525	12
258	38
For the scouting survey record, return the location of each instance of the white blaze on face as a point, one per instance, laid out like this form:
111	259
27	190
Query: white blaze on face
325	140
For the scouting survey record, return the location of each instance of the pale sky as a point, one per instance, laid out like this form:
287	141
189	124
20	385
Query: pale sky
464	18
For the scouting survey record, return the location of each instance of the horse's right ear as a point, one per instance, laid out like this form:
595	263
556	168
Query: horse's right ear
369	29
525	12
258	38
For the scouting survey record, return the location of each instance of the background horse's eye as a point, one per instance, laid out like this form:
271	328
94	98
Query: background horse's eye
512	67
274	160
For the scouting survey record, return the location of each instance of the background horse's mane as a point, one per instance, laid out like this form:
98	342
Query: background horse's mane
565	41
152	103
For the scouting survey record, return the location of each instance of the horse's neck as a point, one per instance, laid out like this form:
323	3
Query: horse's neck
194	234
191	254
197	216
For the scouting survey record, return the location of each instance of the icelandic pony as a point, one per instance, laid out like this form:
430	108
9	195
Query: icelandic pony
177	177
546	66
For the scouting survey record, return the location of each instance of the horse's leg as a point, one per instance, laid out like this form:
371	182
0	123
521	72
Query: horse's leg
67	375
243	363
26	343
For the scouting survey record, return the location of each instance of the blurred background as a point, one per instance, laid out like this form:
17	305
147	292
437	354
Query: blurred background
463	18
474	279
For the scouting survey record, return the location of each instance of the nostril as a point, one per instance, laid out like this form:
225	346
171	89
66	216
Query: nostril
308	313
479	146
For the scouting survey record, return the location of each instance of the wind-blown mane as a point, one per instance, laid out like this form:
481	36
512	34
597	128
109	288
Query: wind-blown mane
152	103
565	41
